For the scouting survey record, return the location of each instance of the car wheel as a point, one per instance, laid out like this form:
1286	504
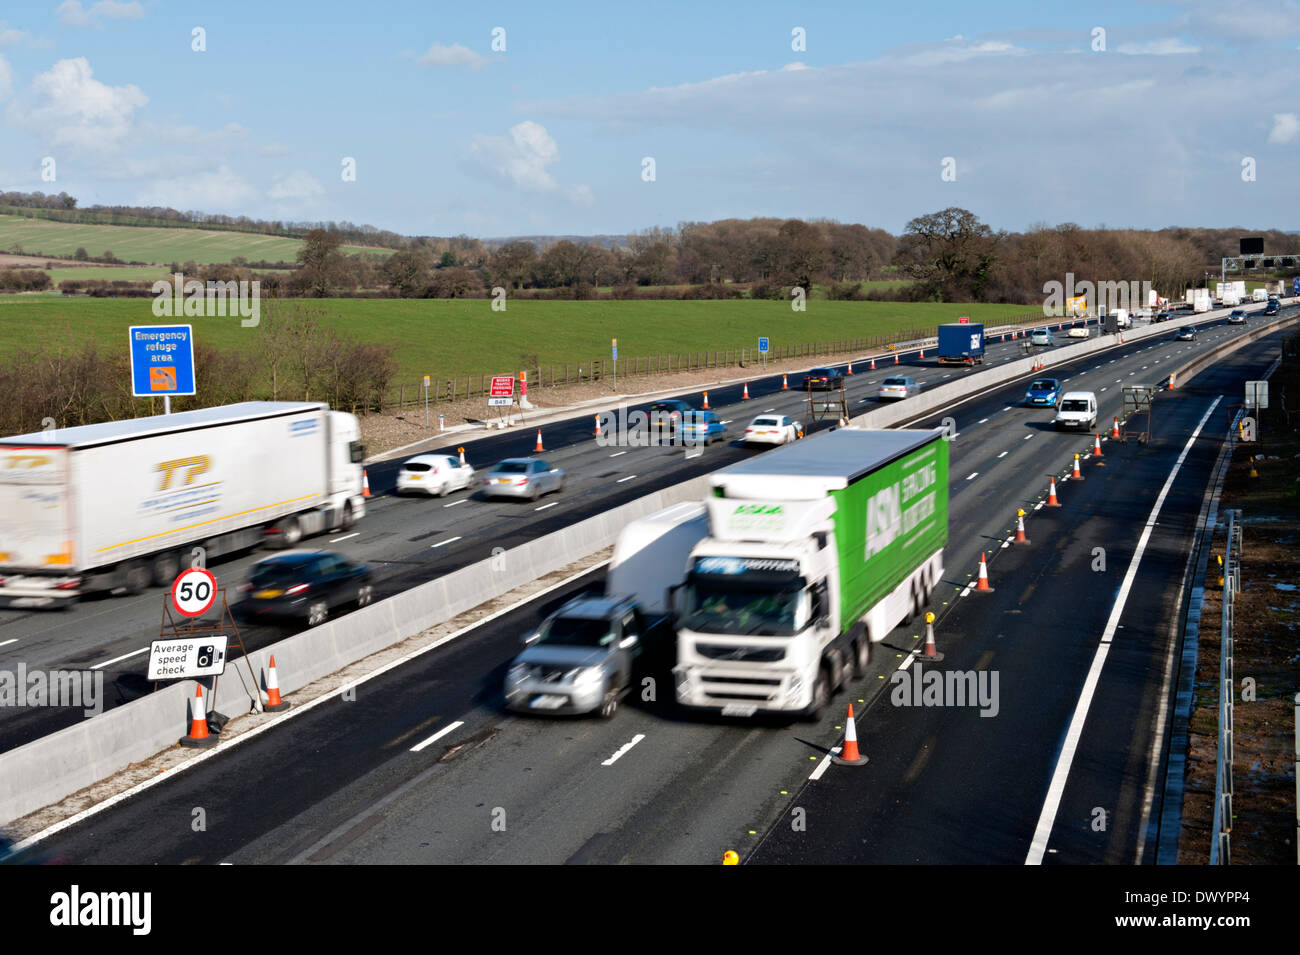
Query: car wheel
559	487
445	490
535	494
317	613
365	593
609	705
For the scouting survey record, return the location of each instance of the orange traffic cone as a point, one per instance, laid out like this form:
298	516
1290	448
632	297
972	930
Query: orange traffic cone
745	396
365	484
705	406
895	358
1096	446
273	702
1020	526
850	368
983	585
1051	494
922	352
873	364
785	383
1076	475
1114	432
462	455
539	447
849	755
932	654
598	426
199	735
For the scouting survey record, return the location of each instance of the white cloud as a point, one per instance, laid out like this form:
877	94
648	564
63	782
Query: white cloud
455	55
296	185
1169	46
581	196
67	106
220	190
11	37
1286	128
521	157
6	78
72	14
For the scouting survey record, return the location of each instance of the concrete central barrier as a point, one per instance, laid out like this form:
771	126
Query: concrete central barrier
46	770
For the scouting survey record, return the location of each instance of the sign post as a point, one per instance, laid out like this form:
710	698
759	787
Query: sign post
426	403
763	347
613	347
162	361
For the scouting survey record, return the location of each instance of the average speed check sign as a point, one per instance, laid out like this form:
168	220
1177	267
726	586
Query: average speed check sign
194	592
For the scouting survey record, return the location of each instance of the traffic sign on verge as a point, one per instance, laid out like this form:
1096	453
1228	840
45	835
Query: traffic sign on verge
194	592
503	386
964	320
187	657
763	345
162	360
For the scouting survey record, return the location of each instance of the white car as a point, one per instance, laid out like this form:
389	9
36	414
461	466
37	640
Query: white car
773	429
438	474
1079	331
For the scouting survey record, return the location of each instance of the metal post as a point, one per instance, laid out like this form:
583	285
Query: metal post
167	404
426	405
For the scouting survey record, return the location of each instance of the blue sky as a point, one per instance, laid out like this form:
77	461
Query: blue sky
549	135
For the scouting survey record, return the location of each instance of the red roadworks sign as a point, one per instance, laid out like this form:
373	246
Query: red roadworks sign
964	320
503	386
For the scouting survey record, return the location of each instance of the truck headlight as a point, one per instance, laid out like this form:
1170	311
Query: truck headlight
795	689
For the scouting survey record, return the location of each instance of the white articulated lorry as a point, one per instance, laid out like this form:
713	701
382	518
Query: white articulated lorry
815	551
118	505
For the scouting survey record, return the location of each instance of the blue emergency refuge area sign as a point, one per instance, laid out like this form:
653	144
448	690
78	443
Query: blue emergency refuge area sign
162	360
762	344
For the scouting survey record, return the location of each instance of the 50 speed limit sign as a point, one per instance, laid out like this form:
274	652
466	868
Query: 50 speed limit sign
194	592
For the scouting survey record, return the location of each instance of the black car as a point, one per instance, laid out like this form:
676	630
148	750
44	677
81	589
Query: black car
1162	317
1273	307
667	415
822	379
303	585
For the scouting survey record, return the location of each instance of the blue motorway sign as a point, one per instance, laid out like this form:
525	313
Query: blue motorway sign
1295	284
762	345
162	360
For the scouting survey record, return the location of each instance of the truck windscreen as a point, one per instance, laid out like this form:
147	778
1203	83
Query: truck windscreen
743	606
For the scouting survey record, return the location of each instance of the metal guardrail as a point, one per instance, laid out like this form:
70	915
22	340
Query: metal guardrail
1221	829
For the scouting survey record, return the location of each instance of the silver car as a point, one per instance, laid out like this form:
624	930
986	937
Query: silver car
528	478
898	387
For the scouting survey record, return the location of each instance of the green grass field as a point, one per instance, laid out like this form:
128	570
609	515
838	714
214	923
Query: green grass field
449	338
148	244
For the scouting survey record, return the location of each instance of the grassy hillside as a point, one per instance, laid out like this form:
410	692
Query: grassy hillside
148	244
447	338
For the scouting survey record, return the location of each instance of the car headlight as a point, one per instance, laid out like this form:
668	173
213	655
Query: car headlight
586	676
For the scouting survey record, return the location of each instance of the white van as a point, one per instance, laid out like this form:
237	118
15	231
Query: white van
1076	409
1122	319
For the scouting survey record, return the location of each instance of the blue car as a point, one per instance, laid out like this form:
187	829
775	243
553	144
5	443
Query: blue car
702	427
1043	391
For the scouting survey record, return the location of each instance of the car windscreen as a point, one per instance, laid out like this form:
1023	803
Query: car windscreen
279	573
576	632
415	466
1042	386
894	381
512	467
766	422
1074	405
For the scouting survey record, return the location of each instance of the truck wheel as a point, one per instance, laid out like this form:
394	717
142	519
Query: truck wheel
821	695
165	568
609	705
861	655
348	518
317	613
290	531
136	576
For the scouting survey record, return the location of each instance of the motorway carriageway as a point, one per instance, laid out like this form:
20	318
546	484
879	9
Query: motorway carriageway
424	765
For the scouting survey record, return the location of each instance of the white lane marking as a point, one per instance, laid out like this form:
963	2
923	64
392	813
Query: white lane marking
768	410
1038	506
9	641
545	506
1028	436
972	475
1007	408
826	761
1105	388
982	421
726	421
617	453
628	478
449	540
335	540
623	749
125	656
967	590
1047	818
341	692
438	735
454	503
1003	454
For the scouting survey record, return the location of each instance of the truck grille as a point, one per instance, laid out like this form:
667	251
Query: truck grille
743	680
718	651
